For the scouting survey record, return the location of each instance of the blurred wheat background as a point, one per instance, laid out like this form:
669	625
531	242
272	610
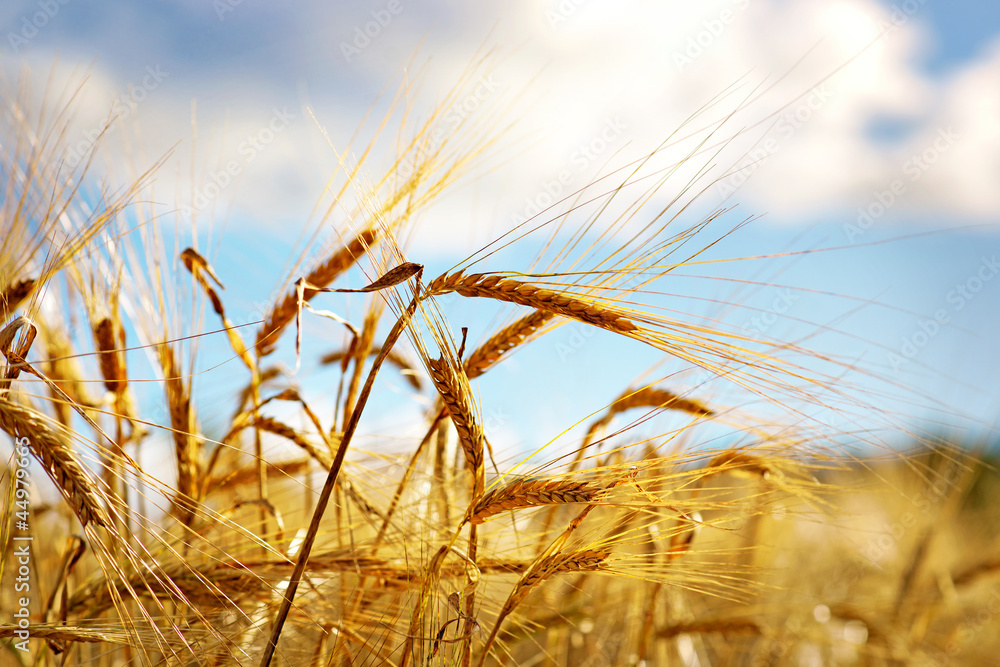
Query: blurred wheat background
576	335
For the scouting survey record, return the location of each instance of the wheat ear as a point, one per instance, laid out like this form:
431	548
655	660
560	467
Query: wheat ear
545	567
110	337
64	369
324	274
186	445
492	351
526	294
531	493
647	397
453	386
735	460
202	271
660	398
65	634
58	458
12	296
272	425
552	560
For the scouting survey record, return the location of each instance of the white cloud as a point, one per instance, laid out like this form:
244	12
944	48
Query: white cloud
569	68
964	182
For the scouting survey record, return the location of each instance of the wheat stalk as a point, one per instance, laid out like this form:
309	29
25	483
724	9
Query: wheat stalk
362	346
724	626
395	358
331	480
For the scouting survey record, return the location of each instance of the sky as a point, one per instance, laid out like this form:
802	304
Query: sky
871	129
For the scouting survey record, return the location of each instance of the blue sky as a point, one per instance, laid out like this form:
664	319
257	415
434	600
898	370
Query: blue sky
888	154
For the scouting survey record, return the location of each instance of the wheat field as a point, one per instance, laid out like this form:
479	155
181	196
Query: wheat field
174	495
